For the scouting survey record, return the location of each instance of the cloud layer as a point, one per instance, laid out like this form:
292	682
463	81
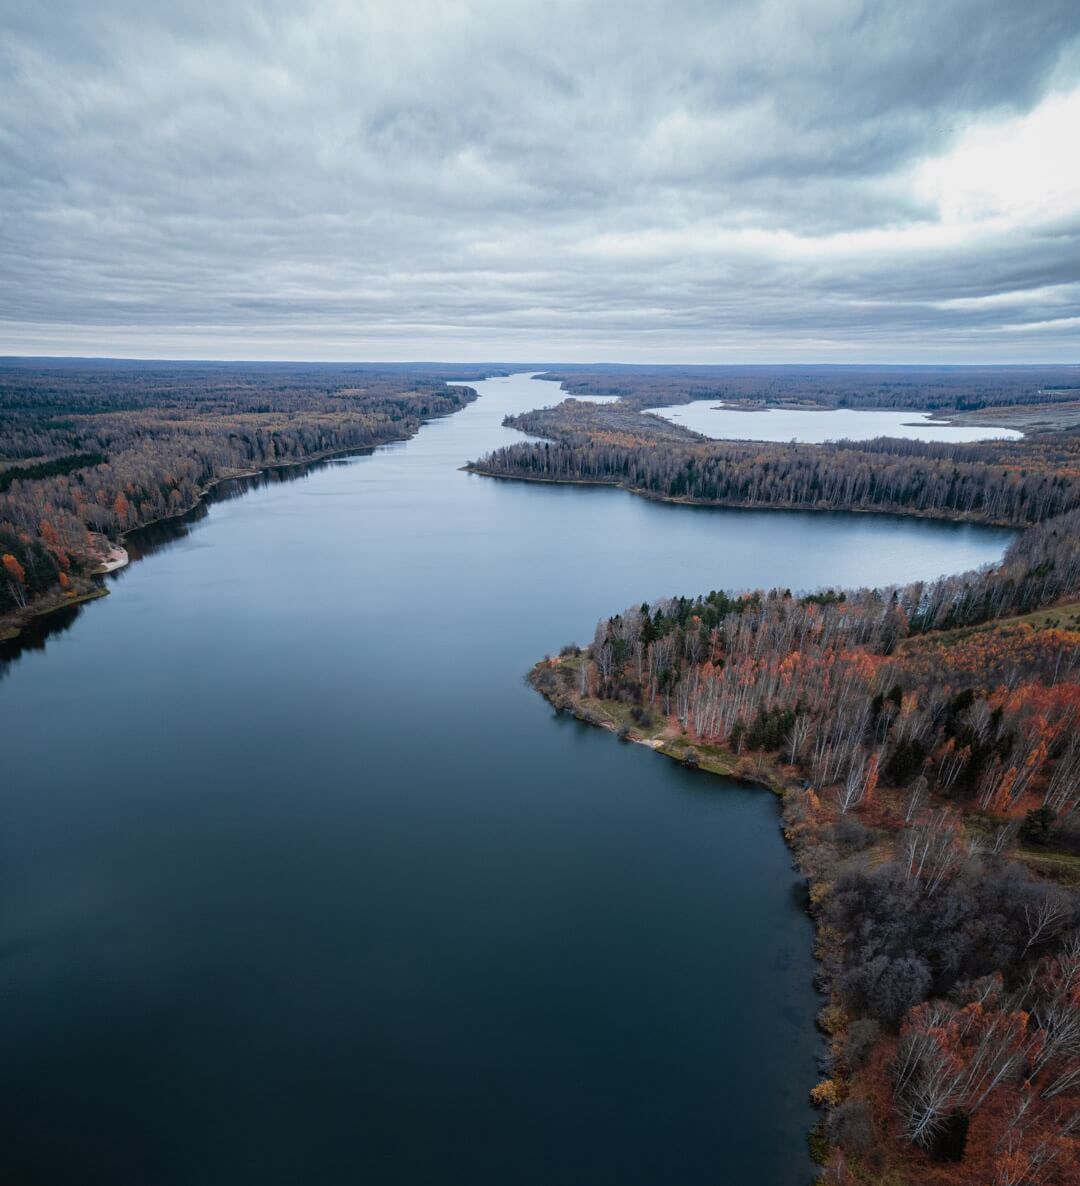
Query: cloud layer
542	179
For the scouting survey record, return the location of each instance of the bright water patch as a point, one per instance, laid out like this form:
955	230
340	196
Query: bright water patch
816	427
547	394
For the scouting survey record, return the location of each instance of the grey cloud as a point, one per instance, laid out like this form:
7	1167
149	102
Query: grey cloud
329	179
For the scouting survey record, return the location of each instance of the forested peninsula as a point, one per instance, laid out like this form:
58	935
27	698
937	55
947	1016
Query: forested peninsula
924	742
91	450
1011	483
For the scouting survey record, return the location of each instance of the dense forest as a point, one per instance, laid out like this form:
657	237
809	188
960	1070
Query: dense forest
925	388
1004	482
91	450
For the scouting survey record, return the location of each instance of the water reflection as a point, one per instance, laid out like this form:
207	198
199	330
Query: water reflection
154	537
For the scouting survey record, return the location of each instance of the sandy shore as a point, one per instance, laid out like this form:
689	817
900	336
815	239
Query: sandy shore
116	557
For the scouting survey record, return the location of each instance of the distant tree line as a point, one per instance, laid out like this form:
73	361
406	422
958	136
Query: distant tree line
925	388
1013	483
101	449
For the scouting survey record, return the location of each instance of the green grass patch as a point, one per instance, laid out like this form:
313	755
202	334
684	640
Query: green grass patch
1064	617
1063	867
620	713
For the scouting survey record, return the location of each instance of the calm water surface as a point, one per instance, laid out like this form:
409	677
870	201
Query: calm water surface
299	883
816	427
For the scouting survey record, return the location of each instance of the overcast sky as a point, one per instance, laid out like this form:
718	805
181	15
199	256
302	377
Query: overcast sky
539	179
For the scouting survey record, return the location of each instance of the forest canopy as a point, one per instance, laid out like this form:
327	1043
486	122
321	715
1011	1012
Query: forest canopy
922	388
90	450
1012	483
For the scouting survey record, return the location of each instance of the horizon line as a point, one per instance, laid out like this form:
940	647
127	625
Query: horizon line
524	363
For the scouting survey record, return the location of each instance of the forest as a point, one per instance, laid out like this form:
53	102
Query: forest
91	450
1012	483
921	388
924	740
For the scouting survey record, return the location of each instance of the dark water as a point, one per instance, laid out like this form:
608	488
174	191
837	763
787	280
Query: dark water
299	883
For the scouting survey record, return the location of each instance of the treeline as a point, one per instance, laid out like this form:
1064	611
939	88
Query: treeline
101	449
919	749
857	687
926	388
997	482
49	469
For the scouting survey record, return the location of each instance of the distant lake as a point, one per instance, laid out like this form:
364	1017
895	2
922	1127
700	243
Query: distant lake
816	427
301	883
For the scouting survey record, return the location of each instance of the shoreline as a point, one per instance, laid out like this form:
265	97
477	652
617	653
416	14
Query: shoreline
808	820
312	459
685	500
13	625
115	558
13	631
714	760
764	775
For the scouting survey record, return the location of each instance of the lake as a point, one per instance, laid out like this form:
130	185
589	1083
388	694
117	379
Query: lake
811	426
300	882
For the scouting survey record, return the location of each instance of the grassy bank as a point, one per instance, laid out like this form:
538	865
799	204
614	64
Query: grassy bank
12	626
657	733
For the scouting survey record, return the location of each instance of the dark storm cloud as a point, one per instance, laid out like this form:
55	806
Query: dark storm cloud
543	179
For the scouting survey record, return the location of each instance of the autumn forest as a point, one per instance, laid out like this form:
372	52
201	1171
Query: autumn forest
91	450
924	741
